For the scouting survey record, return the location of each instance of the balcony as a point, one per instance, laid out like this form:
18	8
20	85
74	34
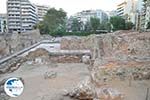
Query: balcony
14	1
13	5
13	13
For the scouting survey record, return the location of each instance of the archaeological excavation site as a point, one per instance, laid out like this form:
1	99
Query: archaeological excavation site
113	66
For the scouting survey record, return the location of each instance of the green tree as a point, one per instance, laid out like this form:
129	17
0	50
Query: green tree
108	27
148	25
118	23
76	25
54	22
95	23
87	27
129	25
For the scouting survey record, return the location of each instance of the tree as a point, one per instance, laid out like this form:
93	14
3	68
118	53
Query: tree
95	22
108	27
87	26
54	22
129	25
118	23
148	25
76	25
5	24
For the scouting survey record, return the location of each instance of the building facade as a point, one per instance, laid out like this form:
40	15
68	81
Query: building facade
41	11
121	8
111	13
145	15
22	15
3	23
84	17
131	10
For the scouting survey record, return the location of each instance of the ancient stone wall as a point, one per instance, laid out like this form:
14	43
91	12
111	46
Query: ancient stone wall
117	45
123	56
12	43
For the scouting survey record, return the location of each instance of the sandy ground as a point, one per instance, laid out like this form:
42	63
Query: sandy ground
39	88
136	91
68	76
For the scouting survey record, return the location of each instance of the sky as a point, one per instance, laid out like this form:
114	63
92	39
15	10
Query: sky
72	6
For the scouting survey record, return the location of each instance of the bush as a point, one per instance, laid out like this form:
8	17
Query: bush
129	25
71	33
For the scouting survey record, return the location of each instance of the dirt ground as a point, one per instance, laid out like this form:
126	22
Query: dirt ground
137	90
39	88
68	76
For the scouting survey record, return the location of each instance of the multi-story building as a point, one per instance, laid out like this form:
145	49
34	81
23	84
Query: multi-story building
28	15
111	13
145	18
121	8
130	10
84	17
22	15
41	10
3	23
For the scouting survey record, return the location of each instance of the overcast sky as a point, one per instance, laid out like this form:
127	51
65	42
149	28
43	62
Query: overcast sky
72	6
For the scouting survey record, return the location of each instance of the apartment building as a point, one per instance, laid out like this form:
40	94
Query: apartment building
41	10
3	23
121	8
21	14
131	10
145	15
84	17
111	13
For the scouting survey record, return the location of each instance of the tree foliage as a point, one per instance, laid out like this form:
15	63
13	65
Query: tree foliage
87	26
53	23
148	25
76	25
117	22
95	22
129	25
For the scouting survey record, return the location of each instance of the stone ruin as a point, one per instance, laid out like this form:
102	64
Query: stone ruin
122	55
13	42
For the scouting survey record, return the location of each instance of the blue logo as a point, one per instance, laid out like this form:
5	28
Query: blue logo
13	87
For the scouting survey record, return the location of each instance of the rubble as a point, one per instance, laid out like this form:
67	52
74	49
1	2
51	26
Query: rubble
3	95
87	91
122	55
50	75
12	65
66	59
39	56
86	59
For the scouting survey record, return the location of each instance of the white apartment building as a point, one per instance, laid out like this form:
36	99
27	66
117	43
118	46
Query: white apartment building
121	8
22	15
85	16
41	10
3	23
145	15
130	10
111	13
